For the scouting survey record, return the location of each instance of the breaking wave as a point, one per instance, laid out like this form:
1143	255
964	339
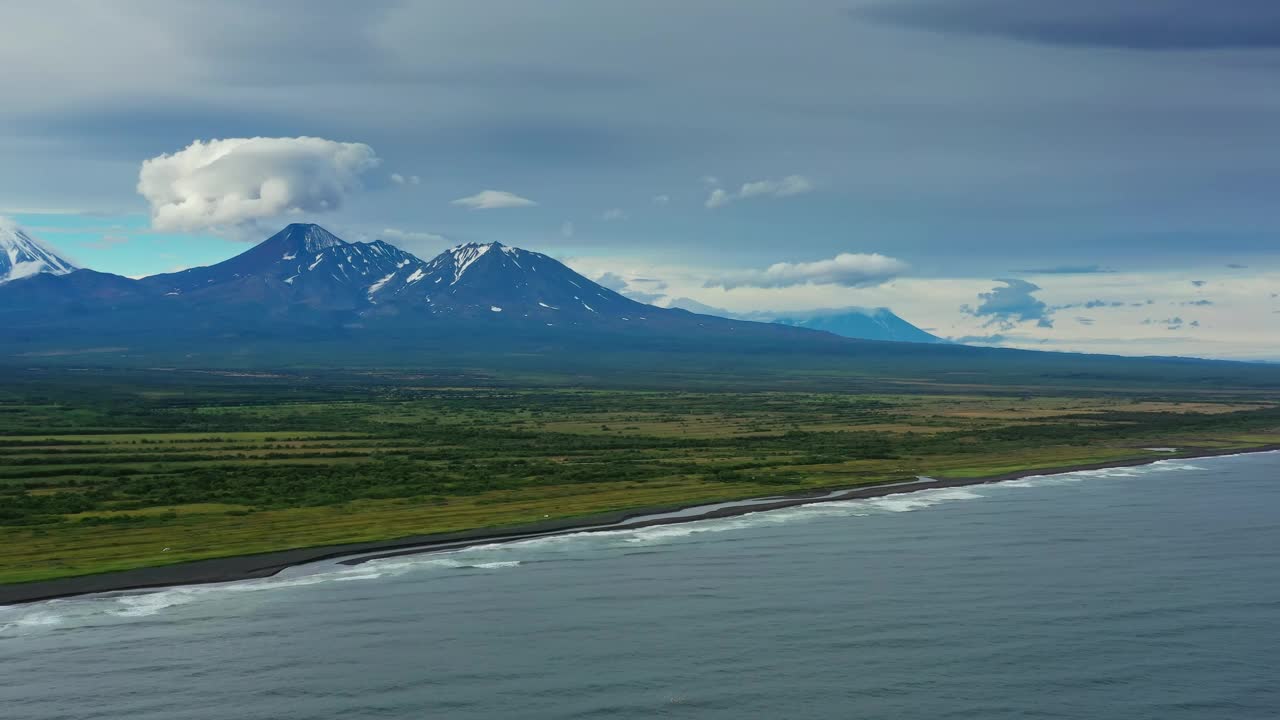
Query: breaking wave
122	607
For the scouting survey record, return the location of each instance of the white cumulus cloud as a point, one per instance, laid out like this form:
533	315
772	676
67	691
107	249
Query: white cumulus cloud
493	200
847	269
786	187
395	235
718	198
236	181
782	187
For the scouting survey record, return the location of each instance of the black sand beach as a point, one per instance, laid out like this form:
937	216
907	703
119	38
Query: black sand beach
246	567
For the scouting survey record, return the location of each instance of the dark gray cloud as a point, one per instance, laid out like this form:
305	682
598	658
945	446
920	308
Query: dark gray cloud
1012	303
139	128
996	154
1129	24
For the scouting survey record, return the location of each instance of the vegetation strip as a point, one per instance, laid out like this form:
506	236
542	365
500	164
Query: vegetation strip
219	467
261	566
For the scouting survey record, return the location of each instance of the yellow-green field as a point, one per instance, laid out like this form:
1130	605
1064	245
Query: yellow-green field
108	478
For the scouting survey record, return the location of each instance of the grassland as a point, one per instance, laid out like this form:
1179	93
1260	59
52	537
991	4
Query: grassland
108	470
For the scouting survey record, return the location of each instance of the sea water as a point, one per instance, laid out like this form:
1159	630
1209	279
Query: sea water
1146	592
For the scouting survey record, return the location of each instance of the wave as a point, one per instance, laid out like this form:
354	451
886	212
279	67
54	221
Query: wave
1132	471
23	619
98	609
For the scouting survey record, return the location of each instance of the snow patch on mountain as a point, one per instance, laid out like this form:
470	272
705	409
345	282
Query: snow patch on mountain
22	256
464	256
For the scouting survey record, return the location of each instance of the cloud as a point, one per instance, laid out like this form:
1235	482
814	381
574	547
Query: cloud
394	234
718	198
619	284
613	281
399	179
493	200
846	269
1012	303
227	183
613	214
1092	304
661	200
1065	270
1152	25
647	298
1173	323
566	229
996	339
784	187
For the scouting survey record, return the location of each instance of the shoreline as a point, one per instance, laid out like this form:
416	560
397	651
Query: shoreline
251	567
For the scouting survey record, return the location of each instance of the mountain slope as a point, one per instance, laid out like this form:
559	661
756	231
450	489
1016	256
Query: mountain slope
851	322
22	256
865	323
306	299
304	284
495	280
302	265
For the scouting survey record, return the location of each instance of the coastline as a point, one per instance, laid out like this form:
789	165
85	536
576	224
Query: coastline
249	567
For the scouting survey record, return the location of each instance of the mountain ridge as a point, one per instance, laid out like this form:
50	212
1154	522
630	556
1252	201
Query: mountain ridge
306	282
22	256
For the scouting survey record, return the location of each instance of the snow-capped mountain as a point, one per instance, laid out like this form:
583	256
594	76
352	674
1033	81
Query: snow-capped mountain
494	279
302	264
22	256
306	283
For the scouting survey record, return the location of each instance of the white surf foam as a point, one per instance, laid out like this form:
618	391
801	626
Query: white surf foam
1132	471
95	609
23	619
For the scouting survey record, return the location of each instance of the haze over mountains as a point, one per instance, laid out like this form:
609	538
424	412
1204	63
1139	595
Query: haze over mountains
853	322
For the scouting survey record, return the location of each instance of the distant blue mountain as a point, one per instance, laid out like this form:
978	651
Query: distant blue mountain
851	322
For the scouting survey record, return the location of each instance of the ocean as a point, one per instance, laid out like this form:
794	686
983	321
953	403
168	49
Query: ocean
1129	593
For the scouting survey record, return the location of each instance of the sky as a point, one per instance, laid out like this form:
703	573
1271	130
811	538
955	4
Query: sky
1093	176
